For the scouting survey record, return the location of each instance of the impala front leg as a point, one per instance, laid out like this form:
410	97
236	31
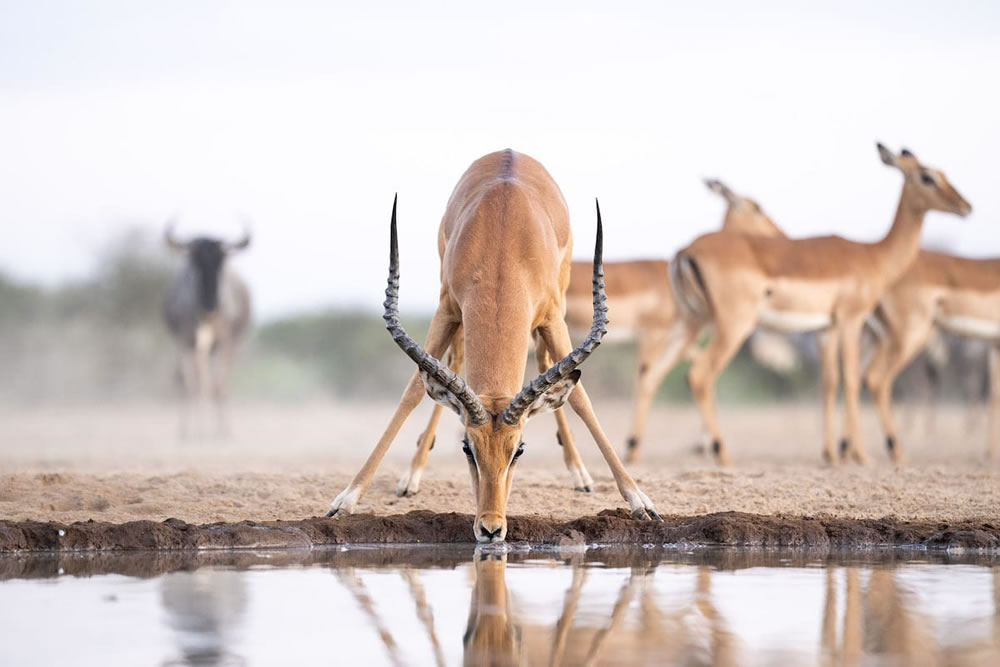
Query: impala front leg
556	338
438	338
409	483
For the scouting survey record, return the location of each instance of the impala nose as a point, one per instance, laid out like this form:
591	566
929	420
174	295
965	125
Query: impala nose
491	529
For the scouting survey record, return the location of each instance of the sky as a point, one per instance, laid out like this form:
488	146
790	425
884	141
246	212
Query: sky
306	118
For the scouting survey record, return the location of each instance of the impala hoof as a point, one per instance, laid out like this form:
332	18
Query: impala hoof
409	483
584	489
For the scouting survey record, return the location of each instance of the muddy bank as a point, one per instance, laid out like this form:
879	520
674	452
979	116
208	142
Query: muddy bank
608	527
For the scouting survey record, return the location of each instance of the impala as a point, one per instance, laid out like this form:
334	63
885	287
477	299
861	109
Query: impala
958	295
644	310
505	246
735	282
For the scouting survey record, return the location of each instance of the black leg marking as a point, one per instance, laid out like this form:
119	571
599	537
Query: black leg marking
559	439
716	447
843	447
433	442
643	368
890	442
632	443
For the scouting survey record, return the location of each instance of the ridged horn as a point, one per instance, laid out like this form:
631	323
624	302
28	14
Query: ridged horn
564	367
720	188
428	364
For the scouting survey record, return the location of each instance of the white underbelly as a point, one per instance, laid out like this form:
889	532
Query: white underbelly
789	321
972	327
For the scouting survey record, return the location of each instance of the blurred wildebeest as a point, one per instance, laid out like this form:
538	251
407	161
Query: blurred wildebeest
208	312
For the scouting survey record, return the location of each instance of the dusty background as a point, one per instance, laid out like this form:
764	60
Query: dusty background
288	461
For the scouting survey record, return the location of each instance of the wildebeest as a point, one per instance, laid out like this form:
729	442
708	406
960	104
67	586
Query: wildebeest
207	310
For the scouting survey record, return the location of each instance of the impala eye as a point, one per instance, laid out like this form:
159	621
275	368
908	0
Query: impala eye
467	449
927	179
520	450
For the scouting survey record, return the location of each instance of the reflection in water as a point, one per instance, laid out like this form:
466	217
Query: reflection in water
491	636
882	620
435	606
204	608
693	633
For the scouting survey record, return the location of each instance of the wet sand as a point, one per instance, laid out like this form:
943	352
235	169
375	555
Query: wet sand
285	463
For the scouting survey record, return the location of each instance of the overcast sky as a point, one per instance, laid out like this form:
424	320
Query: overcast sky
307	117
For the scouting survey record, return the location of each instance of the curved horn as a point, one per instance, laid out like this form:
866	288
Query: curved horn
428	364
173	242
720	188
244	241
564	367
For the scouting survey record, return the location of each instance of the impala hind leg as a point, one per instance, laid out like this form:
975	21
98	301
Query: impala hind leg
571	456
409	483
903	344
728	335
829	358
556	338
439	337
659	351
850	360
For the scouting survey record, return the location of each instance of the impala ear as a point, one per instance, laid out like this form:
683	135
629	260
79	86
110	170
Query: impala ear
887	156
555	397
441	395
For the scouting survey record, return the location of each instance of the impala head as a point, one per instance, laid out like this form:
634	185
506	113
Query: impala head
928	188
206	256
491	635
492	442
742	213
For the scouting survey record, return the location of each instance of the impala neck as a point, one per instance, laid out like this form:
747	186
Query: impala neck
902	244
496	348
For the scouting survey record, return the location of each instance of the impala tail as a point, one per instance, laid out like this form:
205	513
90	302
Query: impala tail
689	288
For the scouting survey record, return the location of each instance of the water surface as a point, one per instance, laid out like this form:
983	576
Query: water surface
455	605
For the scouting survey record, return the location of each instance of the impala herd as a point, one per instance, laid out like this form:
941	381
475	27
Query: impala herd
507	282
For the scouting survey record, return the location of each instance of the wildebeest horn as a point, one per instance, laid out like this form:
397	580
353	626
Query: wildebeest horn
243	242
428	364
564	367
173	242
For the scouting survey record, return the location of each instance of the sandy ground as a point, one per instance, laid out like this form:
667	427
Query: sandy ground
287	462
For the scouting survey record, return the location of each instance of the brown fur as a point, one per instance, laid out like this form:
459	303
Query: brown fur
643	307
505	246
827	280
937	285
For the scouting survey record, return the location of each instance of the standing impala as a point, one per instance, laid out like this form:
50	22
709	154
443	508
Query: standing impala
505	246
735	282
959	295
644	310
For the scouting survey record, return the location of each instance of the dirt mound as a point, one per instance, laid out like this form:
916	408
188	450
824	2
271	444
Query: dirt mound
608	527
